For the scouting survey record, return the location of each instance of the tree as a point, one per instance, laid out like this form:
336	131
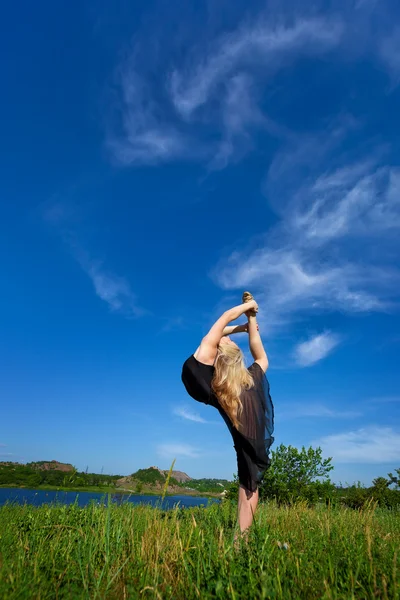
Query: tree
395	479
381	493
380	483
295	474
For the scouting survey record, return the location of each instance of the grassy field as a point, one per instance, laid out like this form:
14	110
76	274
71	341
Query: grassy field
122	552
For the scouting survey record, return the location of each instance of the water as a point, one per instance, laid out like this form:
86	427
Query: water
39	497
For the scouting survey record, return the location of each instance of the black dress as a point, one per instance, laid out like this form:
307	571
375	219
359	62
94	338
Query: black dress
253	439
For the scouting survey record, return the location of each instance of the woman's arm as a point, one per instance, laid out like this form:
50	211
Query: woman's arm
207	350
230	329
256	345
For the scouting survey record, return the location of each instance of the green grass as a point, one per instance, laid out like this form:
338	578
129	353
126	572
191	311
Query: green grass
123	552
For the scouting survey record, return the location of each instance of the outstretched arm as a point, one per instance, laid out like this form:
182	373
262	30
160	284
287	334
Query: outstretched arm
207	351
255	343
230	329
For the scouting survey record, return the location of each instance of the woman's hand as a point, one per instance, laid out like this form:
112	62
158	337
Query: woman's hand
252	305
252	308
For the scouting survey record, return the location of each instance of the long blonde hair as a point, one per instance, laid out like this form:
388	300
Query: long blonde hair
230	378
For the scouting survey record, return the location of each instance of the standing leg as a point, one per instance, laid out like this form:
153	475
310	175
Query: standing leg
247	504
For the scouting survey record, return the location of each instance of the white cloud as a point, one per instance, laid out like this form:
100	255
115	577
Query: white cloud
113	290
239	113
343	177
291	282
186	413
109	287
367	445
3	445
207	106
318	347
256	44
295	269
349	202
146	137
176	450
158	122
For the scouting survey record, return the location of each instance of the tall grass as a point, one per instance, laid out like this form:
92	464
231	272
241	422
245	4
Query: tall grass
121	552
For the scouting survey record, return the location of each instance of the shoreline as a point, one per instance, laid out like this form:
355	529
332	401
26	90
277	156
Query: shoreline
108	490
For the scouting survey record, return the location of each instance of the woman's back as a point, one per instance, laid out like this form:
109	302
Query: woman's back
257	415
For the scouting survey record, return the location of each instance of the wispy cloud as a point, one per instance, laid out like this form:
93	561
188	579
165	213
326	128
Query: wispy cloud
258	43
367	445
186	413
350	201
239	115
173	103
145	137
295	269
315	349
3	445
210	103
176	450
111	288
290	283
158	121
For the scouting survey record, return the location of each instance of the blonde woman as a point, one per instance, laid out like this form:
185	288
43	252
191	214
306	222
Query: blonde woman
216	374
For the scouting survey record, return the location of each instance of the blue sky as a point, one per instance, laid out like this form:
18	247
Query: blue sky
158	159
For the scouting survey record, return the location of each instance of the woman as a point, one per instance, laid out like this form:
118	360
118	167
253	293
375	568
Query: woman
216	374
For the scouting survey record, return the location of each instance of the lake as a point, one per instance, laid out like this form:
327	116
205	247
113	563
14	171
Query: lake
39	497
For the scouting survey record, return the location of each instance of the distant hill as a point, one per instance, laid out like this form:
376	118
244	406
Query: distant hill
155	476
52	465
178	475
151	477
154	479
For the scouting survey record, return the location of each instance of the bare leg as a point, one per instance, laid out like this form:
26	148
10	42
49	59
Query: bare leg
247	504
